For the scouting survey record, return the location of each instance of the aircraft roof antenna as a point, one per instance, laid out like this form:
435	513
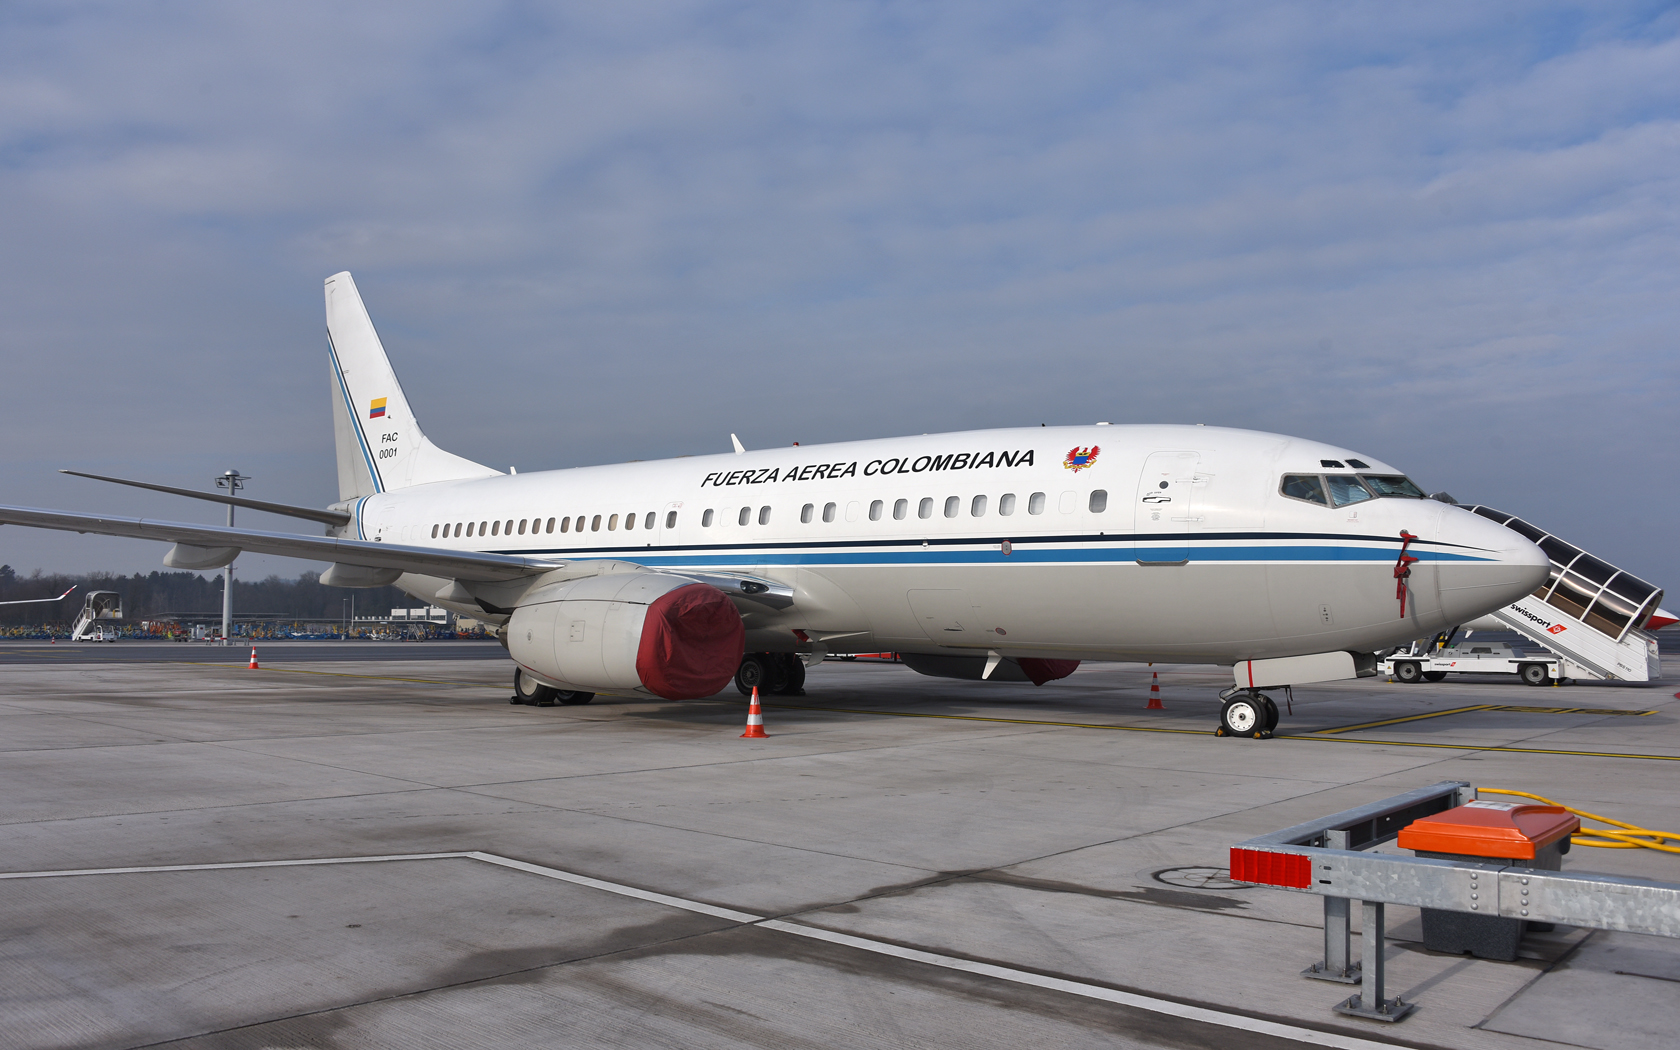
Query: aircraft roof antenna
739	448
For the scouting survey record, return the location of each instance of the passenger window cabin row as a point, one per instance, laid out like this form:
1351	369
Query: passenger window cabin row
1097	503
952	507
534	526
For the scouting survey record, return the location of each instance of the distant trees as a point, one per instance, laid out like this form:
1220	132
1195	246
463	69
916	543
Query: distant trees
158	594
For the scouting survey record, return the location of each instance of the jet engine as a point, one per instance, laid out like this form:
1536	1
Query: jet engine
646	632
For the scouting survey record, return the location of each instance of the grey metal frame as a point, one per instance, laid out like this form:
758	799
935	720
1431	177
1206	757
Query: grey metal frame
1342	873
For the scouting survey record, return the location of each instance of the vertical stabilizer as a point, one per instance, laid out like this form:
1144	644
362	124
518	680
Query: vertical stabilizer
380	445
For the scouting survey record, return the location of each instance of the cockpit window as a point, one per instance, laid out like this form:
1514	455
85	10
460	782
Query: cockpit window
1393	485
1346	489
1304	486
1359	464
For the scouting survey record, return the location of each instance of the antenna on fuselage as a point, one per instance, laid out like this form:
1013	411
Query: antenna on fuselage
739	448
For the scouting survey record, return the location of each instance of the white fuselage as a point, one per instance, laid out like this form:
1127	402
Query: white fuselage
1167	543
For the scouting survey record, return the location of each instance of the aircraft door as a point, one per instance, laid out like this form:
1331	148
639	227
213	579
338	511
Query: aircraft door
1165	504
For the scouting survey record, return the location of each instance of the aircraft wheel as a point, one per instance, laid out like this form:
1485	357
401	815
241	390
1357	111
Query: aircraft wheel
793	675
1243	716
754	673
1434	676
573	697
528	691
1272	713
1408	671
1534	674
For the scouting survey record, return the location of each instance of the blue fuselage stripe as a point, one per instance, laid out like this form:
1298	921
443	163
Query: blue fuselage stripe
1106	552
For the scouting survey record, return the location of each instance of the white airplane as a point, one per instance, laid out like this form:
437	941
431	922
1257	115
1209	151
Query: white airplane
994	554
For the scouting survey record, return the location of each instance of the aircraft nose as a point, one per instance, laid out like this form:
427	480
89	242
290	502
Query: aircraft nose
1484	565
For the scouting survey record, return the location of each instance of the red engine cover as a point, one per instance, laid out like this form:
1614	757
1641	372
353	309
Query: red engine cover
692	643
1041	671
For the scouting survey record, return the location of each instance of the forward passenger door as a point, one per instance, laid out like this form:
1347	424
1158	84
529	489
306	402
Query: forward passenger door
1165	506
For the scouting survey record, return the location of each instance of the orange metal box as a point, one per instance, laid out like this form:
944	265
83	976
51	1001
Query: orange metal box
1509	830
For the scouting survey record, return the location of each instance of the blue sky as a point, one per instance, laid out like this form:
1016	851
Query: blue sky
1443	234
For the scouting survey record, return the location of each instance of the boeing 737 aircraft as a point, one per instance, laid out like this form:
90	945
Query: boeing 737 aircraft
994	554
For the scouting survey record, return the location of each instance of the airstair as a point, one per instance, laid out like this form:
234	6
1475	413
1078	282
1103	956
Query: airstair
99	605
1589	612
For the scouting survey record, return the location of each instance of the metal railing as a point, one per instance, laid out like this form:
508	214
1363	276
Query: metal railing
1326	857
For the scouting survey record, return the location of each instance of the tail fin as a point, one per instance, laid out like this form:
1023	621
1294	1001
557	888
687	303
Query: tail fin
380	445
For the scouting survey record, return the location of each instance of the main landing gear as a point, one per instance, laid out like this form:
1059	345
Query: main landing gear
1250	713
778	674
527	690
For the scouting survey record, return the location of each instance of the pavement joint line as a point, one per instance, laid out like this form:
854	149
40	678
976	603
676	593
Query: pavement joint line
345	674
1132	1000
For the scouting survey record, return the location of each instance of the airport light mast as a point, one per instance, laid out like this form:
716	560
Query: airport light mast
230	481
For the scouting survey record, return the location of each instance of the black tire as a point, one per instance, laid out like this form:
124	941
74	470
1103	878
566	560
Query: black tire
1272	713
1243	715
1434	676
573	697
753	673
1408	671
1534	674
528	691
793	675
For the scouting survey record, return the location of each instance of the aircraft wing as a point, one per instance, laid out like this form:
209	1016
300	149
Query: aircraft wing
36	601
430	561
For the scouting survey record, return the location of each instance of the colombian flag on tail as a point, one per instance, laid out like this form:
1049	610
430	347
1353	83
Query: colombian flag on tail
377	408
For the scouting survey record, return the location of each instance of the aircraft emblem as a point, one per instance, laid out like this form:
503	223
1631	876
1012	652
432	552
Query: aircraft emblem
376	408
1080	458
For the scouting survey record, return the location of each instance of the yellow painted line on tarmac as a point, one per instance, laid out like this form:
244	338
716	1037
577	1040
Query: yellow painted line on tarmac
1207	732
1407	718
987	718
1480	747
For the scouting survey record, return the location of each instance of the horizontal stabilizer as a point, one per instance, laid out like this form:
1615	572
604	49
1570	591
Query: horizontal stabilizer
326	517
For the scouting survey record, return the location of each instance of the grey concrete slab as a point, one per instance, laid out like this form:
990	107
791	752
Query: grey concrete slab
1026	842
132	959
86	782
1618	991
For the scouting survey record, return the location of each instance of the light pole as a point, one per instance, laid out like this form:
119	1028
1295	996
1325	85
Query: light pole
230	481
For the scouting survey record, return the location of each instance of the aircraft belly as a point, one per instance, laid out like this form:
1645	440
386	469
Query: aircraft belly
1101	611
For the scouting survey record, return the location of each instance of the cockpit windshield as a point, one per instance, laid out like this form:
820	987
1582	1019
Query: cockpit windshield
1346	489
1393	485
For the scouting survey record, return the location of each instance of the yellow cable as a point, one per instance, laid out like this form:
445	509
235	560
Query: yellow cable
1620	836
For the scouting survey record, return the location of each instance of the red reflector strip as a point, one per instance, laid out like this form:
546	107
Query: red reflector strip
1271	869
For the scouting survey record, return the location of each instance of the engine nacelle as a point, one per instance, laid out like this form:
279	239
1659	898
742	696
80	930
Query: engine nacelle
646	632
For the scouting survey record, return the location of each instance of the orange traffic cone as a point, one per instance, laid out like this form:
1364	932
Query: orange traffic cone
254	666
755	720
1154	692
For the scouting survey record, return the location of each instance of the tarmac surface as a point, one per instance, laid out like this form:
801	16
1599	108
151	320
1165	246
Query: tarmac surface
379	850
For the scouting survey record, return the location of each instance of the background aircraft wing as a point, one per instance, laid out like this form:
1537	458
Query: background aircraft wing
33	601
460	565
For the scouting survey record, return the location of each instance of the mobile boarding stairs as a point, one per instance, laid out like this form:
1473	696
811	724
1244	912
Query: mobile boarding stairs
1589	612
98	608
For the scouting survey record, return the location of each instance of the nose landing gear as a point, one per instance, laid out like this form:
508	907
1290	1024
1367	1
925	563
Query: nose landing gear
1250	713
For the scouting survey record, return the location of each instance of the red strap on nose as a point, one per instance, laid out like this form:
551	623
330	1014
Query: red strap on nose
1403	570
